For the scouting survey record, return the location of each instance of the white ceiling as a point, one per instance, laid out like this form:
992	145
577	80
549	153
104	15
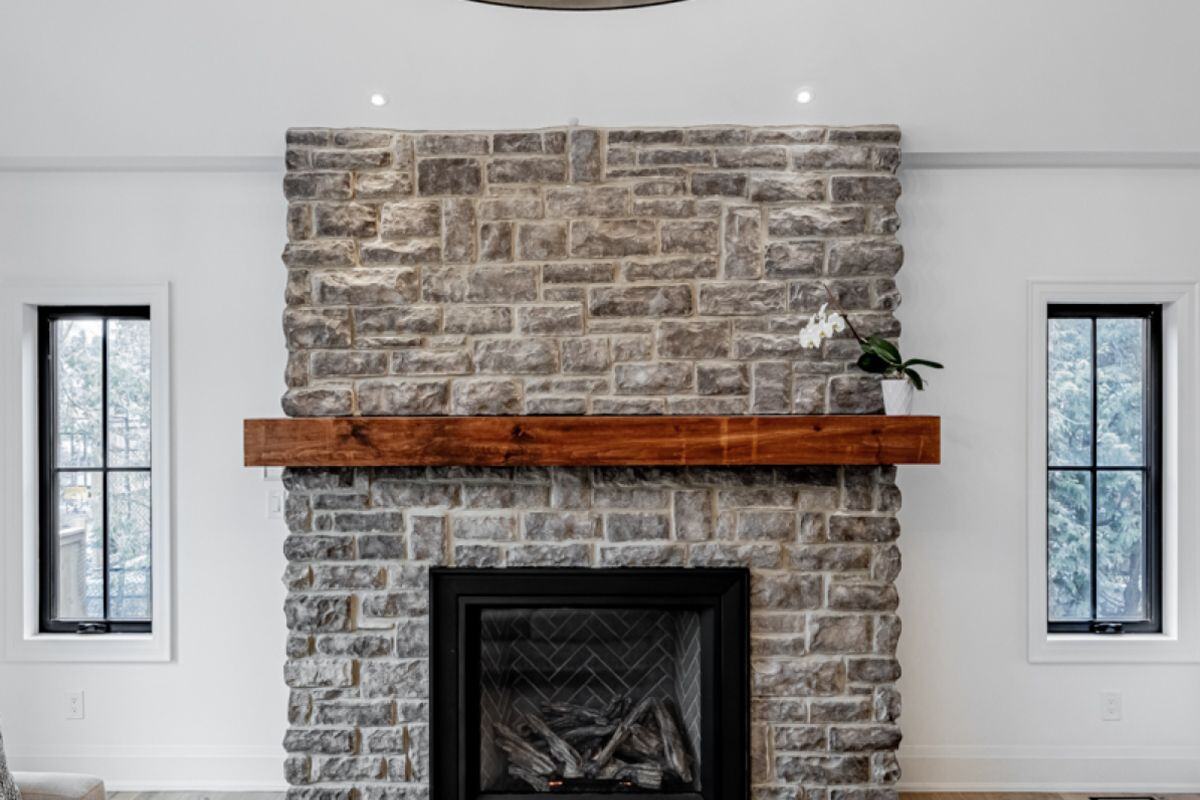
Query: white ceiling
224	78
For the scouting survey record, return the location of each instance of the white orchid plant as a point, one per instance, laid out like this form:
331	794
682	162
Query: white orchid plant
879	356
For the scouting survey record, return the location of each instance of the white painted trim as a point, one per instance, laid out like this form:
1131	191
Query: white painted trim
911	160
953	768
1180	640
1066	159
19	476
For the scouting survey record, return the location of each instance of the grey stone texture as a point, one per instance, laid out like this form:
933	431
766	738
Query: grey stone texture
823	627
614	247
588	271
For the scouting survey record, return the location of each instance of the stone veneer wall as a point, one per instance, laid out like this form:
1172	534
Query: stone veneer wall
588	271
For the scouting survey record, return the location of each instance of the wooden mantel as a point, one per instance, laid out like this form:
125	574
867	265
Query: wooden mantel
591	441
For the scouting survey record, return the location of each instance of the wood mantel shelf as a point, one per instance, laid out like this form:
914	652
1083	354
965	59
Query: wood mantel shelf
591	441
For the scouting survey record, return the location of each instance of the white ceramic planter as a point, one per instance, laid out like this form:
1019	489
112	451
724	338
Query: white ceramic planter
897	396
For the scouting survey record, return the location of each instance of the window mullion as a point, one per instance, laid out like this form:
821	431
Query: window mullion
104	458
1095	476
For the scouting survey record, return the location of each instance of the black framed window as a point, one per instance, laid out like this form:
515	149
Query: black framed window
1104	468
95	469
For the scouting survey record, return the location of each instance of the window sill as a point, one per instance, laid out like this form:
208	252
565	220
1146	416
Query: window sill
1126	648
75	647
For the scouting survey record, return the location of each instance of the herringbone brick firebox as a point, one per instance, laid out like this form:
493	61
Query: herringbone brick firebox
589	271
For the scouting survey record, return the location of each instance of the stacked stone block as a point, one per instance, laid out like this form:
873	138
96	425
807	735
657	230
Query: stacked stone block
589	271
585	271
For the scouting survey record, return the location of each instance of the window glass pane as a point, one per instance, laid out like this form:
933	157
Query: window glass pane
1069	575
80	546
77	345
129	393
1069	392
1120	546
129	545
1120	391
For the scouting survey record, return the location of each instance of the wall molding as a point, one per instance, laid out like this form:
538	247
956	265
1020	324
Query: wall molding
1065	159
142	164
912	160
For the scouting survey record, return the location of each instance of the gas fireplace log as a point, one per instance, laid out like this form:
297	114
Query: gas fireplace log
617	708
640	749
672	741
568	715
538	783
584	735
560	751
622	730
647	776
521	753
642	743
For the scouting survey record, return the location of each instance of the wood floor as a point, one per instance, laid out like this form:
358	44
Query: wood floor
1034	796
903	796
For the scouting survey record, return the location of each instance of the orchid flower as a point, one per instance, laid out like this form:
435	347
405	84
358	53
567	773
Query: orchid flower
821	326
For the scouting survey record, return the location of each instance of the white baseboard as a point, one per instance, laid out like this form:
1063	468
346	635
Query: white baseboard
173	768
1050	769
925	768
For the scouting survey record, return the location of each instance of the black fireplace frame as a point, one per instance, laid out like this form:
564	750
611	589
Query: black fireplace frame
720	595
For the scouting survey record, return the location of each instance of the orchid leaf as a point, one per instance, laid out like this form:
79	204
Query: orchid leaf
872	363
921	362
915	378
885	349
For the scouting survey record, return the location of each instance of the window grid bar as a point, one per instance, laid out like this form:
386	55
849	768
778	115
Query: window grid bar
127	469
104	454
1084	468
1095	577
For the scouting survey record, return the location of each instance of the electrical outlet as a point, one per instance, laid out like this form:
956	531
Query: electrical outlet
1110	706
75	705
275	504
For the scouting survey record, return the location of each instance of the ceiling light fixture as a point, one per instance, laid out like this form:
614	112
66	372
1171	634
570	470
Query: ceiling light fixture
378	100
577	5
804	95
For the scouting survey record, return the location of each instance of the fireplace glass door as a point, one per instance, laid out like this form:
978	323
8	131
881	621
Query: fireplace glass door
589	683
587	699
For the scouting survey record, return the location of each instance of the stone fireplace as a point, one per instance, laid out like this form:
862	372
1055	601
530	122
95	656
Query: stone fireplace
588	272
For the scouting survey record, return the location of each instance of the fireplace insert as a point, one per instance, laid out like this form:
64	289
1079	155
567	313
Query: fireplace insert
589	682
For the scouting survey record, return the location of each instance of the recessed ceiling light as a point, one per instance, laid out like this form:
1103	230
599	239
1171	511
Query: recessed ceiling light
378	99
804	95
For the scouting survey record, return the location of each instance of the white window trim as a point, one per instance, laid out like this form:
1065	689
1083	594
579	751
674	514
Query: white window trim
19	476
1180	639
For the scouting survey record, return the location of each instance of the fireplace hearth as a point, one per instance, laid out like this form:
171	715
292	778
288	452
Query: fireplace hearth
590	682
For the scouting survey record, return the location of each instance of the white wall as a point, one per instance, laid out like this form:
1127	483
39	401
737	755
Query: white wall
976	713
216	714
137	84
